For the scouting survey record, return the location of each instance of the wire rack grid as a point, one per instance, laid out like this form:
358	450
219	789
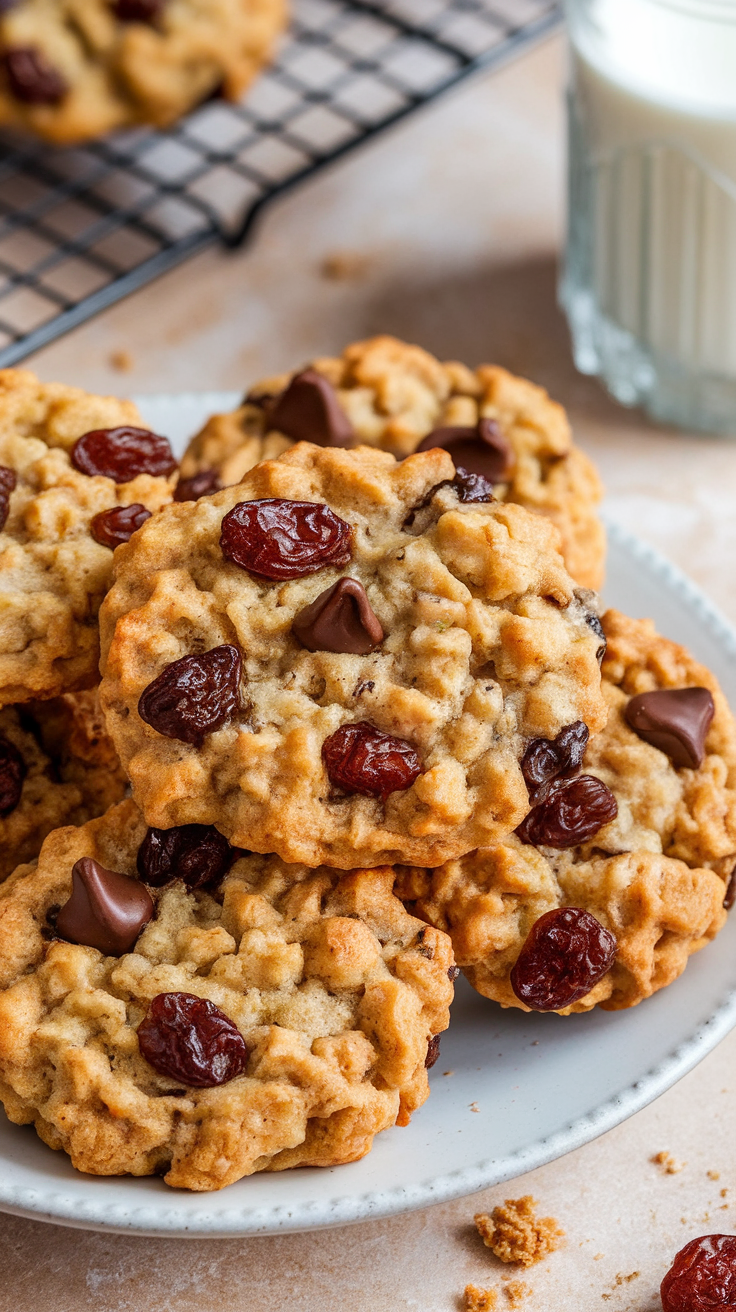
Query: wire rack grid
81	228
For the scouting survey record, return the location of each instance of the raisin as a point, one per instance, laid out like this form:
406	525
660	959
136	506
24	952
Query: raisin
194	695
361	759
730	894
122	454
197	854
8	480
565	954
12	774
112	527
202	484
472	487
190	1040
32	78
545	759
137	11
702	1277
452	973
572	811
279	539
433	1051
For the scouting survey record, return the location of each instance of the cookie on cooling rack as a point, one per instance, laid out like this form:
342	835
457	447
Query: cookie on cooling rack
386	393
57	767
340	659
71	70
622	868
78	475
231	1015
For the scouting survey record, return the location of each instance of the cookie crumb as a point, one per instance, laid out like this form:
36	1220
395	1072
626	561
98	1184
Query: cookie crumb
474	1107
122	361
515	1234
448	1072
479	1300
669	1164
598	1257
713	1175
724	1192
516	1291
344	266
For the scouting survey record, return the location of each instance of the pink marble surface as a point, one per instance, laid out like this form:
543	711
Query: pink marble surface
452	225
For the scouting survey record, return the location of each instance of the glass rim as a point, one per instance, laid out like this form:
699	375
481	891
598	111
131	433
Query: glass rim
715	10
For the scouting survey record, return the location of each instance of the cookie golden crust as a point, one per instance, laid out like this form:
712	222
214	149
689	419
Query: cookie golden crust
104	70
655	876
335	988
486	642
71	771
395	394
53	574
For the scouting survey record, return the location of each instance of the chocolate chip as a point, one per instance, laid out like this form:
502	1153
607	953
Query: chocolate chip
106	910
676	720
309	411
433	1051
138	11
341	619
32	78
481	450
199	485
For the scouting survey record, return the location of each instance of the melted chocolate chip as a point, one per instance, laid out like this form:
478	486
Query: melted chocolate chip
341	619
309	411
12	774
199	485
8	480
106	910
481	450
32	78
676	720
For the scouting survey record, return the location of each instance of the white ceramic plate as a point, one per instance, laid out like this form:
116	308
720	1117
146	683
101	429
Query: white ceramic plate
524	1089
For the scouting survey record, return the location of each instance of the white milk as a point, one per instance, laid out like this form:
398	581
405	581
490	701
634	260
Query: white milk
650	282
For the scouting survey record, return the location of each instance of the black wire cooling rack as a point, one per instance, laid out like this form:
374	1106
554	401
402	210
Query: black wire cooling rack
79	229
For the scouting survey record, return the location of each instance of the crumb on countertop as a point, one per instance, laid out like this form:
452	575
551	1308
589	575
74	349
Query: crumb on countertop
622	1280
474	1107
121	360
713	1175
516	1291
479	1300
669	1164
343	266
515	1234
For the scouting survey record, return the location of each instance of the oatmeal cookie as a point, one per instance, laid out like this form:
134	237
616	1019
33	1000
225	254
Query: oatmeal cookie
286	1014
393	395
654	877
55	562
337	661
76	69
57	767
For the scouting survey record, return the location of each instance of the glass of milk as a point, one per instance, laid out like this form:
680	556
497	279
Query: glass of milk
649	279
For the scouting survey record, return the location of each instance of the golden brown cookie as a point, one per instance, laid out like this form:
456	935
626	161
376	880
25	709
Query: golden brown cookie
654	877
76	69
394	395
57	767
348	742
55	566
325	994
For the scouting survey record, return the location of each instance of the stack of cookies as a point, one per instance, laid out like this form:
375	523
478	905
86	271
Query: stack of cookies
375	729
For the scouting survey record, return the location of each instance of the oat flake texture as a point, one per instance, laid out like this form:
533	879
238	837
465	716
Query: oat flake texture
487	643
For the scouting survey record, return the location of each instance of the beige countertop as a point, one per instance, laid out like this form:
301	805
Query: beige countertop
447	231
